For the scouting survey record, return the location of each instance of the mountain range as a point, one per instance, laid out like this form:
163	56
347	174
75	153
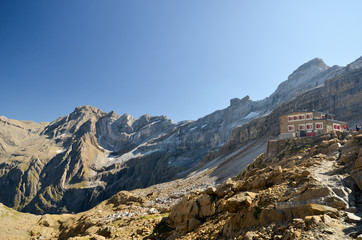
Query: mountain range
79	160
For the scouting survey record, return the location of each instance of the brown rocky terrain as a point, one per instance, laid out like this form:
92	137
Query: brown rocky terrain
126	215
310	189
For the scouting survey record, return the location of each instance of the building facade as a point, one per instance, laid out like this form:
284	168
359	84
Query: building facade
308	123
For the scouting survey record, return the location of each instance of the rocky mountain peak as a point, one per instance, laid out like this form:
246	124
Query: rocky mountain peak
112	115
308	69
237	101
85	112
126	119
314	63
72	122
86	109
356	64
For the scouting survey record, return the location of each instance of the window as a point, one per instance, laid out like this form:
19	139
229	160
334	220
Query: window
336	126
290	118
290	128
319	126
301	127
309	126
323	116
309	116
295	118
301	117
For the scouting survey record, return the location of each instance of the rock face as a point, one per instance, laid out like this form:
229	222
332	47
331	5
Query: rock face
80	159
340	95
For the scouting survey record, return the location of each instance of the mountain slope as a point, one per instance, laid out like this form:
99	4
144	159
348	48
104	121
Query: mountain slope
340	95
305	189
87	156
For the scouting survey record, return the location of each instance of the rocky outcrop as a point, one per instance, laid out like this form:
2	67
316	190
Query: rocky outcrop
298	193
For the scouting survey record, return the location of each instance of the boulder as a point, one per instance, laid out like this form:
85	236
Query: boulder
334	147
358	136
357	177
192	224
125	197
336	202
305	173
278	170
358	163
225	188
239	201
210	191
107	231
328	143
352	218
348	157
349	136
206	205
182	212
314	193
298	222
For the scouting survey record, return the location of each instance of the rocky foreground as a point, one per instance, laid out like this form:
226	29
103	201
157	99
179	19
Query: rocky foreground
310	188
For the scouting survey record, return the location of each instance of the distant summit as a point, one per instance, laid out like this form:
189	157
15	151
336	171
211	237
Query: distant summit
356	64
314	63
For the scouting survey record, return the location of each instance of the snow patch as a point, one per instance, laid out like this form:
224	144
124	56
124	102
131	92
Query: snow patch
60	151
130	155
252	115
193	128
152	123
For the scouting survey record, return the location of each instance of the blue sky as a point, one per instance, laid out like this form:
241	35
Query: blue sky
183	59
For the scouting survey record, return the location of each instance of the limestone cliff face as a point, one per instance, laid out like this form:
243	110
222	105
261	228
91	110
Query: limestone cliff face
340	95
80	159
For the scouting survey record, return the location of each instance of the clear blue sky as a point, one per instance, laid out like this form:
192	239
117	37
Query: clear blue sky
183	59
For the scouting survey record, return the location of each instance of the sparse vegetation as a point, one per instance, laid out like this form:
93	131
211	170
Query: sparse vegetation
154	216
